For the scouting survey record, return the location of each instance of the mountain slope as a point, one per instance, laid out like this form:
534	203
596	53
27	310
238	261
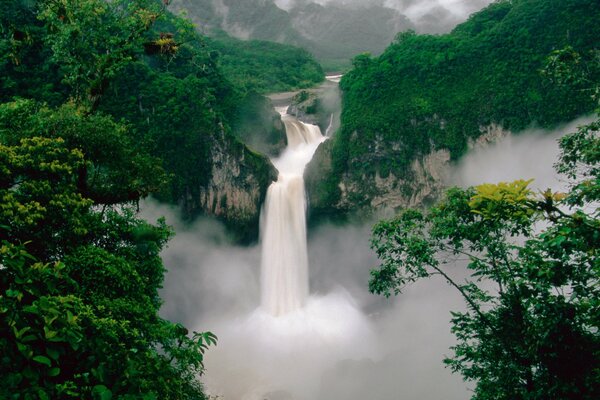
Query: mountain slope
427	96
332	33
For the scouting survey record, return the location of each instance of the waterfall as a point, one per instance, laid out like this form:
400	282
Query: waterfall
284	265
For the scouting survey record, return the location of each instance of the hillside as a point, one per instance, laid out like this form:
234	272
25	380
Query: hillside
410	110
265	67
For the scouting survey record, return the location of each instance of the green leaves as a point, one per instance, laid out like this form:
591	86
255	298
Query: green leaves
532	295
101	392
80	272
42	360
92	40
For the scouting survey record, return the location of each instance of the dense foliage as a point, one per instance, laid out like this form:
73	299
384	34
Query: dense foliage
266	67
79	289
437	92
531	329
174	88
79	272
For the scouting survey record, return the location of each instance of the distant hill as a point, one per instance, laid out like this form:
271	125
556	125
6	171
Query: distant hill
332	33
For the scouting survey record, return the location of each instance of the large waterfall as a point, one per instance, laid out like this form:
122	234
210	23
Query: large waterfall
284	266
283	348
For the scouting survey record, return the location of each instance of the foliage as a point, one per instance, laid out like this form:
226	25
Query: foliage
266	67
531	329
427	92
91	40
172	107
107	148
78	289
79	272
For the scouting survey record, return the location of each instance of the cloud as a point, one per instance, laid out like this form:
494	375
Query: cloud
344	340
429	16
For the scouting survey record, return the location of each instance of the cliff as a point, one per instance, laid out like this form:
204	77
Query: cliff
420	184
235	192
411	111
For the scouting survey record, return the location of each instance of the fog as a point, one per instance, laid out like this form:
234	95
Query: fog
428	16
530	154
346	344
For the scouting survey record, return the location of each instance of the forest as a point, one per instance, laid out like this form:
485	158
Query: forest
106	103
102	104
432	92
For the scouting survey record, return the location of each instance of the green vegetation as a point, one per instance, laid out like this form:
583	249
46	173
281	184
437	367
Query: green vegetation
266	67
79	289
531	329
101	104
437	92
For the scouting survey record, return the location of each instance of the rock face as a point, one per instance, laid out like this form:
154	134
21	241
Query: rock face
236	189
332	192
490	134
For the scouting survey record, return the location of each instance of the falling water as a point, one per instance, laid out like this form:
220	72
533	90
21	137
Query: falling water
284	267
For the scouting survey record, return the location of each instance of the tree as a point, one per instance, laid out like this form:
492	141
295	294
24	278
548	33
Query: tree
79	290
79	272
533	296
92	40
108	148
531	329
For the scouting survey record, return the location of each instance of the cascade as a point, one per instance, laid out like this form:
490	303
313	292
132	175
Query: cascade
284	264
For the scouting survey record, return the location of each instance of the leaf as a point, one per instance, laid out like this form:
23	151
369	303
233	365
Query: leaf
101	392
42	360
53	353
49	334
54	372
29	338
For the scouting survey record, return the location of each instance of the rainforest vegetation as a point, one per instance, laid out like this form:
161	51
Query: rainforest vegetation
103	103
530	329
430	92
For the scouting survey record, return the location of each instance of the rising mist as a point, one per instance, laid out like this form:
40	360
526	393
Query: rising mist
349	344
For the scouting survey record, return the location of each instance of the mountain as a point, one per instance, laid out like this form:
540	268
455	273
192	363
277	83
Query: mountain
409	112
332	32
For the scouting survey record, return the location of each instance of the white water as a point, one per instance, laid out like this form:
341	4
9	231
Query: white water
282	348
284	265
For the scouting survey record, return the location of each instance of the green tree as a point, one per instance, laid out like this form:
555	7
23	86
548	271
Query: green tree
531	329
79	272
79	290
92	40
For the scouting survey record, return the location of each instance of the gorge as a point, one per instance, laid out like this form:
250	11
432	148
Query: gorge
190	213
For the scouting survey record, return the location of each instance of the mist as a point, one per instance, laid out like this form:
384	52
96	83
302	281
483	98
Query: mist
530	154
347	343
428	16
381	348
